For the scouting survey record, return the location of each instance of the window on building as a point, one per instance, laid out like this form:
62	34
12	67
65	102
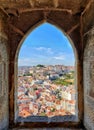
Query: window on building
46	89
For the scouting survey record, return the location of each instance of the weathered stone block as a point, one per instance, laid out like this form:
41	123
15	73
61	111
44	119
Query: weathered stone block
89	82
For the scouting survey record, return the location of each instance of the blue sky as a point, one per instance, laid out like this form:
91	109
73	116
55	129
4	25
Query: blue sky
46	45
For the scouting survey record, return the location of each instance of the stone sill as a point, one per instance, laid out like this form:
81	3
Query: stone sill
66	118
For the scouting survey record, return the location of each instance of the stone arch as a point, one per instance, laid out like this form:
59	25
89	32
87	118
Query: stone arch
40	23
16	60
89	81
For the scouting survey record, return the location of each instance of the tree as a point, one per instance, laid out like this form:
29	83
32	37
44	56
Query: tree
39	65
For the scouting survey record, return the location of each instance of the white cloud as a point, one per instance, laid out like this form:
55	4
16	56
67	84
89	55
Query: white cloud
26	61
59	57
40	48
47	50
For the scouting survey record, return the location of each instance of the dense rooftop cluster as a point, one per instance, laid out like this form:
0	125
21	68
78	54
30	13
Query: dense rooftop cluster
42	91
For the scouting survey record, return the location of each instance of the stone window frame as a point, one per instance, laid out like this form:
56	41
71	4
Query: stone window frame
4	64
88	74
78	67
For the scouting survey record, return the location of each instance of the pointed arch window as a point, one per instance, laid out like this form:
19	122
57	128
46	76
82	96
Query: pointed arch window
46	79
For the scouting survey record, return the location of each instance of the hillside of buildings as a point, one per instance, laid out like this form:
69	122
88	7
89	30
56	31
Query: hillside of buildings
46	90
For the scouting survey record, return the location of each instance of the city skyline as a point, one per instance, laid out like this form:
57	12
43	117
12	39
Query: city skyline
46	45
47	65
46	91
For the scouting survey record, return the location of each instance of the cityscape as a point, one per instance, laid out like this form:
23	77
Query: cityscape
46	90
46	75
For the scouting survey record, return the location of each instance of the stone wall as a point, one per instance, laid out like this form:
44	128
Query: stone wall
3	81
89	81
